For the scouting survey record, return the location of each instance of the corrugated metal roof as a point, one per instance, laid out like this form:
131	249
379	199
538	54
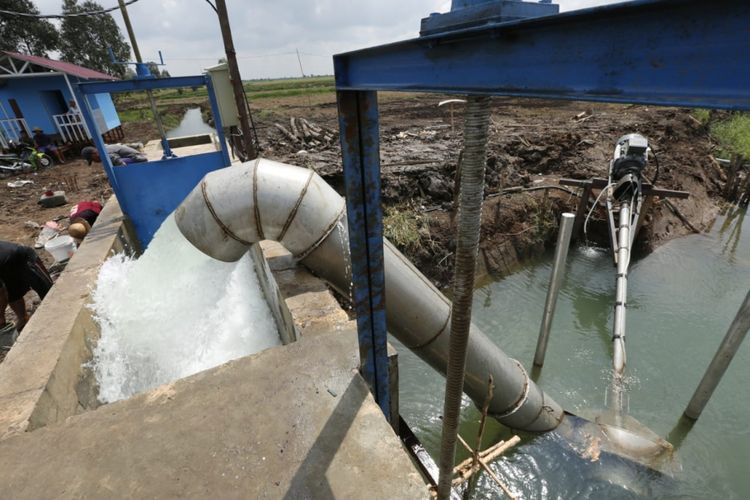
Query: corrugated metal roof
62	66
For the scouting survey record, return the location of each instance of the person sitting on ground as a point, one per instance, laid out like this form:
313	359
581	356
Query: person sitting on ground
20	270
87	210
44	144
119	154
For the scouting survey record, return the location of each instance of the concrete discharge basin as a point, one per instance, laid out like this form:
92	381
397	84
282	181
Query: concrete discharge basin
225	216
279	431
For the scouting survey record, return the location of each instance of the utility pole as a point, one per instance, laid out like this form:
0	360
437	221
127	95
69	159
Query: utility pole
299	60
234	76
137	53
129	27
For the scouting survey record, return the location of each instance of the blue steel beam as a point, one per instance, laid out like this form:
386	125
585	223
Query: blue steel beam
360	149
145	84
662	52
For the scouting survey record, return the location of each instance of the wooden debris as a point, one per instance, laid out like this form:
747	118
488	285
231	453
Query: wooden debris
489	471
308	135
681	216
483	420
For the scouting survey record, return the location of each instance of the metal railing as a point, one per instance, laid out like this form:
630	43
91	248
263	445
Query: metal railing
10	130
71	128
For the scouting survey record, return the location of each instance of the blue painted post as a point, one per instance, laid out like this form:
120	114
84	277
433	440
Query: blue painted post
360	148
96	136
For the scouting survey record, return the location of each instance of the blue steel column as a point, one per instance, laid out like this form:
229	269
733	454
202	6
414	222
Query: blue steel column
96	135
360	149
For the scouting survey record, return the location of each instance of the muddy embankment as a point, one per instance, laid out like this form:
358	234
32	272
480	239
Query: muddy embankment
531	144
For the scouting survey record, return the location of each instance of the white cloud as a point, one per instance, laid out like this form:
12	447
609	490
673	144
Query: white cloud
268	33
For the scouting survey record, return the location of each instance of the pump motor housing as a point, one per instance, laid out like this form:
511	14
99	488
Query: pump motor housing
631	157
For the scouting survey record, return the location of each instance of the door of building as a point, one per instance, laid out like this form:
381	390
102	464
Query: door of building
15	108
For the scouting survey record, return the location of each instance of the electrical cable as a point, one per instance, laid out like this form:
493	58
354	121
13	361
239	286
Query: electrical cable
212	6
62	16
596	202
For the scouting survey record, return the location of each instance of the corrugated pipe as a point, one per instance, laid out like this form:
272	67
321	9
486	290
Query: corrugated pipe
233	208
471	195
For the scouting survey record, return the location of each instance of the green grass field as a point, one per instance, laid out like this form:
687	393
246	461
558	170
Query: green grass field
134	107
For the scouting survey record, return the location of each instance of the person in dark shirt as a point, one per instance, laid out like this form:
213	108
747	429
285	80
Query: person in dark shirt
20	270
44	144
119	155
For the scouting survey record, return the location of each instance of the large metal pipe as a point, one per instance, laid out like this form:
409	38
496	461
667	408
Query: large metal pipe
621	297
555	280
234	207
719	364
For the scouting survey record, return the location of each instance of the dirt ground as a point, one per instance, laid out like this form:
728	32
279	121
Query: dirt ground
532	143
20	214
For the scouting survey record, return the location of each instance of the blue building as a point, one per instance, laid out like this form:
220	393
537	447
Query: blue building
37	92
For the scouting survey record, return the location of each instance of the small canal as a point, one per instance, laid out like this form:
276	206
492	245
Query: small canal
682	299
191	124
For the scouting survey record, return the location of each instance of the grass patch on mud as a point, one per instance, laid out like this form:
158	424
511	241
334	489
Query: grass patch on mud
406	229
733	134
170	118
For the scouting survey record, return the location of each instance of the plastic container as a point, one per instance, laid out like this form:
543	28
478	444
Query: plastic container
61	248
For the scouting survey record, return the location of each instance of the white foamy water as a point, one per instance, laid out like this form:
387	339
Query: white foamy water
174	312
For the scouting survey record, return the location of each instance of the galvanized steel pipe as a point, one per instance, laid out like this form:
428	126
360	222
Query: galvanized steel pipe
720	362
558	268
233	208
621	296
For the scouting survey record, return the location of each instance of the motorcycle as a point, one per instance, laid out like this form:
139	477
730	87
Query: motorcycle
23	158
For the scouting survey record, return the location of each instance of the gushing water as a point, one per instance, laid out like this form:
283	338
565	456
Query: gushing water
174	312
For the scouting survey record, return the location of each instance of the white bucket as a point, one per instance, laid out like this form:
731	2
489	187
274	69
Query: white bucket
62	247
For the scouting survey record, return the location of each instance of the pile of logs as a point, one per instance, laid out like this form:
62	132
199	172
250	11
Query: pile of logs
306	134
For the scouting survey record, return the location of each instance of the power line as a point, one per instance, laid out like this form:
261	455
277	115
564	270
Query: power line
62	16
254	56
212	6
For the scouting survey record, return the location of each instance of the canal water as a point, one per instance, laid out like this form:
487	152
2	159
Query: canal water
191	124
682	298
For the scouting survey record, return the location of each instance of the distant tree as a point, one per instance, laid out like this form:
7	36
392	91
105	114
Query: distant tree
165	74
222	60
154	69
23	34
84	40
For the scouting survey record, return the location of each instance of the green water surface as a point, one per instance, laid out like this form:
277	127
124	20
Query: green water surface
682	299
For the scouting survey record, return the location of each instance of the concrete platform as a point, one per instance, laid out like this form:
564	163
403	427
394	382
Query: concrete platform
153	150
293	422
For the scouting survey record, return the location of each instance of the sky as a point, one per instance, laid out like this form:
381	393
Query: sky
268	33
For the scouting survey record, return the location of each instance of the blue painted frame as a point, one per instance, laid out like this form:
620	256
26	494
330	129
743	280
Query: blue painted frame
360	149
149	192
663	52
